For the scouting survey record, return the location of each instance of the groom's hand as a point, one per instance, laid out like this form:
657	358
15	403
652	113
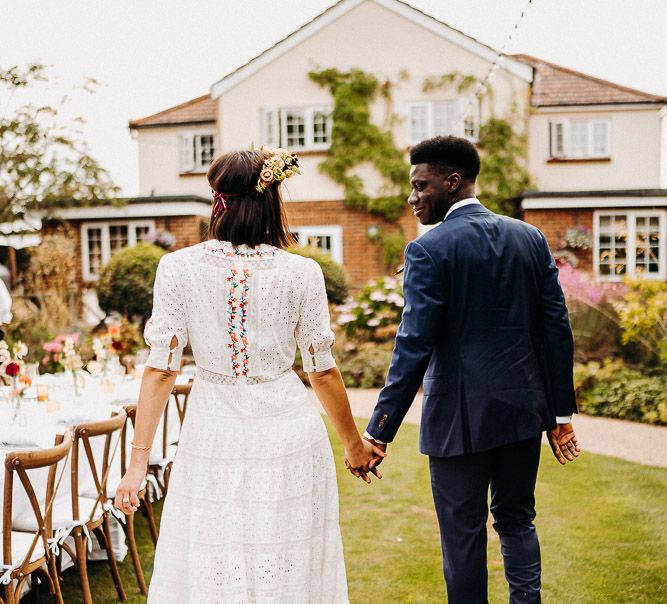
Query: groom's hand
377	460
564	443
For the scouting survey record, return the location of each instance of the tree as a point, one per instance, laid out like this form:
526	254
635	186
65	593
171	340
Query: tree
43	166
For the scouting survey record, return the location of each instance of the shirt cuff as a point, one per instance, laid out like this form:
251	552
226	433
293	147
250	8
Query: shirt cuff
158	357
563	419
379	442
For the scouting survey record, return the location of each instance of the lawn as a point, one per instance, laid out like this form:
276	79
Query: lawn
602	523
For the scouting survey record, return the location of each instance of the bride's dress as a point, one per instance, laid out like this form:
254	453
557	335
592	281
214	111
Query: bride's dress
252	509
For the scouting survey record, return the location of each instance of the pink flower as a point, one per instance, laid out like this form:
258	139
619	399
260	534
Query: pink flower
266	175
53	347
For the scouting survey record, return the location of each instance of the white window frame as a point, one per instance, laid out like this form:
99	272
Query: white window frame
273	127
132	226
566	152
430	131
335	231
631	267
189	150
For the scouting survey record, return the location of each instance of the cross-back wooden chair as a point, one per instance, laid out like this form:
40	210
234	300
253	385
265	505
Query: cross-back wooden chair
86	514
145	504
29	553
161	467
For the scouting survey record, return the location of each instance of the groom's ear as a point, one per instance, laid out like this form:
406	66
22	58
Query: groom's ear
454	182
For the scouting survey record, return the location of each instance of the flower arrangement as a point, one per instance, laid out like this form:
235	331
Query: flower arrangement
12	371
52	361
577	239
280	165
377	309
105	347
164	239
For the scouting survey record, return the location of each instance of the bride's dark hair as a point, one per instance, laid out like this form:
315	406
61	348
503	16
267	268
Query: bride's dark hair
250	218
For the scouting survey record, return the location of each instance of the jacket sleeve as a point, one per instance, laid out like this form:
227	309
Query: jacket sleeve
425	303
557	338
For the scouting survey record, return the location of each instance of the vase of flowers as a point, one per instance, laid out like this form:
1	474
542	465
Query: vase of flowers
106	347
12	374
71	361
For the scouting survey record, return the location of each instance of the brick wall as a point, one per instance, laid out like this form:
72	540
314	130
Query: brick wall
554	224
361	257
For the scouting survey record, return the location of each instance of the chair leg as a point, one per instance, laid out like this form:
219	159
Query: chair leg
8	593
166	475
120	590
81	562
128	528
53	571
150	516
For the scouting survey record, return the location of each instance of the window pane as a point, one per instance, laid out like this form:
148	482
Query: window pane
94	250
205	150
320	128
142	231
323	242
418	123
118	237
579	138
600	139
445	117
295	124
612	245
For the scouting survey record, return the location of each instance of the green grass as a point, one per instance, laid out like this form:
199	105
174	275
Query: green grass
602	525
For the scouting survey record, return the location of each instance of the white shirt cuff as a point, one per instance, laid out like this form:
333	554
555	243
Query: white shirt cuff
563	419
379	442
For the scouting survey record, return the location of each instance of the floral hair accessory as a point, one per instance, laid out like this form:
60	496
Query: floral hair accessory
281	164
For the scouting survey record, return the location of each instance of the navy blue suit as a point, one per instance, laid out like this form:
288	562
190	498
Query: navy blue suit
485	329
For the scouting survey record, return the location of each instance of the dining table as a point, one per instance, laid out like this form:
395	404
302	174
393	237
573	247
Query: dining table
36	423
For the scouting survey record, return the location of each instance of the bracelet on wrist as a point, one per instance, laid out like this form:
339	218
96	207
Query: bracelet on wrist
140	448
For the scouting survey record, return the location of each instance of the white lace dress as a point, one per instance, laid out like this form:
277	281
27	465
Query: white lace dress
251	515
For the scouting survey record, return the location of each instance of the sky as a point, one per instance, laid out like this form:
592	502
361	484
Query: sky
150	55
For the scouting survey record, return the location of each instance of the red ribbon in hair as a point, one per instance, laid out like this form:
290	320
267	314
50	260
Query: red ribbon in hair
221	200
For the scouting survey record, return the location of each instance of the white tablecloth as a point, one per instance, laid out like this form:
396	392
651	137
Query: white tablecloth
37	428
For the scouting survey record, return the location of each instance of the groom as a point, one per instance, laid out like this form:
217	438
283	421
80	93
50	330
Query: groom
485	328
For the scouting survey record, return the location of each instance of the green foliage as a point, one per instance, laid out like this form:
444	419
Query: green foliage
126	282
503	175
42	163
355	140
336	280
615	390
643	317
391	246
375	312
365	368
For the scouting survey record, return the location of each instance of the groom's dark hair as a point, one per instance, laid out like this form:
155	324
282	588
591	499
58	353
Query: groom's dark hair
449	153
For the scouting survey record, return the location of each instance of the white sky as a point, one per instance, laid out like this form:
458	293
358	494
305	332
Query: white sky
149	55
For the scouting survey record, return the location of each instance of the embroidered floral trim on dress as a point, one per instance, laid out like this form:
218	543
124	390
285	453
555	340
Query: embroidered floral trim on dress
227	250
237	318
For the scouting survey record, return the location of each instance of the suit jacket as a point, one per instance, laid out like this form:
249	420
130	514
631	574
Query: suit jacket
485	327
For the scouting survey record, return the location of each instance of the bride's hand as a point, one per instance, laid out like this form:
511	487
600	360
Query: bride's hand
126	494
359	458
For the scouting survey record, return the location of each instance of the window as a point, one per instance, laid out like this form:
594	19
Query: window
580	138
306	128
630	243
440	118
100	240
329	239
197	151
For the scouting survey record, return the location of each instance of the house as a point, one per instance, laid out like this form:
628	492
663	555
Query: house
597	153
271	100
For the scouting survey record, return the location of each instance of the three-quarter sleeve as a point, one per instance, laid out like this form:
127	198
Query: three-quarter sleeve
313	331
167	320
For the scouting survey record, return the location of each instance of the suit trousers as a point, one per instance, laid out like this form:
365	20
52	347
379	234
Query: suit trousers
460	490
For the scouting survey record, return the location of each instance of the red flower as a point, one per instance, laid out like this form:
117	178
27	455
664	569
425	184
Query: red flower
12	369
116	345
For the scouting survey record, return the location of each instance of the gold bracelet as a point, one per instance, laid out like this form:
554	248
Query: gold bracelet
140	448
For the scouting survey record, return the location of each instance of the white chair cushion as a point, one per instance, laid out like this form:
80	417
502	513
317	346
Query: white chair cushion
62	514
156	457
20	544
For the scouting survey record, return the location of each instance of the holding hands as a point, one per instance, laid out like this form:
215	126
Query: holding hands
364	458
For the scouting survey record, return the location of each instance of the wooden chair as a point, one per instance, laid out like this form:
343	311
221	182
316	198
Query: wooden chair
25	554
86	514
161	467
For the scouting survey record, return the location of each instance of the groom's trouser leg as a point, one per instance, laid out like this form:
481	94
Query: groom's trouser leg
513	476
460	491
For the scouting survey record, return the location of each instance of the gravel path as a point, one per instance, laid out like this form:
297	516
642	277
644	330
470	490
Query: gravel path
640	443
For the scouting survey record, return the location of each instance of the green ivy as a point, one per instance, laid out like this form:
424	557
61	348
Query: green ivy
356	140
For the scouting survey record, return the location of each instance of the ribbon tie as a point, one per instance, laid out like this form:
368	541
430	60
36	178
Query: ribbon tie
221	200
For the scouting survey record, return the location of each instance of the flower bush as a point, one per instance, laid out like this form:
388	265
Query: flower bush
375	311
164	239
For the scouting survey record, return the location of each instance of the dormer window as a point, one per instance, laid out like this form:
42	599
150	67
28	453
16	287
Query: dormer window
197	151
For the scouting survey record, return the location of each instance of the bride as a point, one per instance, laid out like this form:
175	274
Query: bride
252	509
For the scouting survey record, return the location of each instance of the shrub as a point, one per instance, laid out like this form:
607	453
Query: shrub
375	311
126	282
366	368
335	278
615	390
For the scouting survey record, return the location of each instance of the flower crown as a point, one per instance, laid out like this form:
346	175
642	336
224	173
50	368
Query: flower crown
281	164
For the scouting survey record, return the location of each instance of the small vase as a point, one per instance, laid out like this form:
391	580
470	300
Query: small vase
15	400
77	380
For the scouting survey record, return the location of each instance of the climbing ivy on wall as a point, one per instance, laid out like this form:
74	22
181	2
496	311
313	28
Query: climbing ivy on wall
355	140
